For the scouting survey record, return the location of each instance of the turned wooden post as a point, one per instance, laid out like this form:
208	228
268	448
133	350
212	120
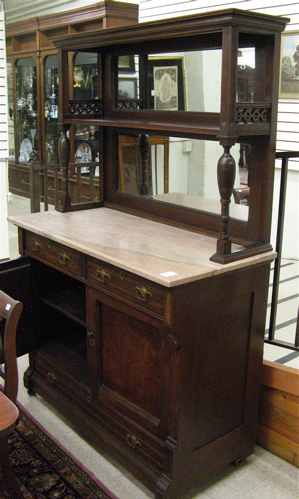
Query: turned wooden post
226	172
64	159
143	147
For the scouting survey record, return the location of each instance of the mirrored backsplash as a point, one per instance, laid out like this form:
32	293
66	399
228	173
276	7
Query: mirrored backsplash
181	171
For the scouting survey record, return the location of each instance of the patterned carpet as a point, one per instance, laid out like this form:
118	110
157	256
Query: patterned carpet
45	469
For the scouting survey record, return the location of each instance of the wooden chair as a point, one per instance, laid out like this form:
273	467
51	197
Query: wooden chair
241	194
10	311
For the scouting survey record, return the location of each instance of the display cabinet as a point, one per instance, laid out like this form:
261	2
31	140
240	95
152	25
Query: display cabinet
33	85
149	309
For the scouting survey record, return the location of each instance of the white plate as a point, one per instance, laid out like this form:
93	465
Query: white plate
83	154
25	149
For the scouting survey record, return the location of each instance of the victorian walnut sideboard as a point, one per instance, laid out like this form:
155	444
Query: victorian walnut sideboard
148	308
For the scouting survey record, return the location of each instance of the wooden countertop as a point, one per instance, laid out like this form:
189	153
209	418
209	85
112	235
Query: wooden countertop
166	255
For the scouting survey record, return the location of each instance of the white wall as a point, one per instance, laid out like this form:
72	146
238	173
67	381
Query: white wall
4	252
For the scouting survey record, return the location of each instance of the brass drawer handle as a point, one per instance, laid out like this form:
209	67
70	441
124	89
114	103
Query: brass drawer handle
90	336
51	377
35	246
63	258
142	293
133	440
102	275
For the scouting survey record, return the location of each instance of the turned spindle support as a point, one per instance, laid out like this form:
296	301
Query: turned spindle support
64	158
226	172
143	147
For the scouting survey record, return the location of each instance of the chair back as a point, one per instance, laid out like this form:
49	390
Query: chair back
10	311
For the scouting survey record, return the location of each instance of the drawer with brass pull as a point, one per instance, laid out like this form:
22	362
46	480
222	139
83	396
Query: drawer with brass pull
59	369
56	254
152	449
126	285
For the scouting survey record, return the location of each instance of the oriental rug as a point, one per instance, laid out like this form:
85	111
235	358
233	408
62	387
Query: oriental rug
45	469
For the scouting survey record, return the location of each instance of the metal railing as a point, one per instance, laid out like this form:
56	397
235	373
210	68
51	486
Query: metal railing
270	337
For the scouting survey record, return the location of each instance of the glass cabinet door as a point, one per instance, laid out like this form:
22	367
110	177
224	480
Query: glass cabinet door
26	103
85	88
51	109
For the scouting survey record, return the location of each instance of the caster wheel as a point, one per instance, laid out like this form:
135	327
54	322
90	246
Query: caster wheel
238	462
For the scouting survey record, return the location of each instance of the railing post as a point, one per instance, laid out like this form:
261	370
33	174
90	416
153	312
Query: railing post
34	176
64	158
284	156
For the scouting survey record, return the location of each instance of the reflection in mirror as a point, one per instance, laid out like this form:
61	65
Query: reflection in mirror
245	76
171	81
180	171
85	76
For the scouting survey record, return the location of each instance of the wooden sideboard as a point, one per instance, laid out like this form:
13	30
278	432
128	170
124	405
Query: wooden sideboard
147	312
151	349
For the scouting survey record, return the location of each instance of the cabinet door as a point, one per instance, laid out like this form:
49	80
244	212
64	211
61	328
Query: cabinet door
130	362
16	281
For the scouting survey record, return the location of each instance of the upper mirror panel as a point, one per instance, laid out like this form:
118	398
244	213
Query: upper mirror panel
171	81
246	74
181	81
85	76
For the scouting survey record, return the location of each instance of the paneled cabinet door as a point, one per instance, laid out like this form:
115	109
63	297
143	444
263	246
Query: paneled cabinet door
131	360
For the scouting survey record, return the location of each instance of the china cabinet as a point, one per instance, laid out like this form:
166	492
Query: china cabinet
33	85
148	311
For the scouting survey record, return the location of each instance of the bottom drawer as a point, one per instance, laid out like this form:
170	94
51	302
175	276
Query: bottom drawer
63	370
152	450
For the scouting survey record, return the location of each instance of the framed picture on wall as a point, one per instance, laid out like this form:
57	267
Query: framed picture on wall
166	83
127	88
126	64
289	66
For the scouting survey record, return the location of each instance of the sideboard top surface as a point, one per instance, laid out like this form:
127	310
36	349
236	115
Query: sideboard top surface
167	255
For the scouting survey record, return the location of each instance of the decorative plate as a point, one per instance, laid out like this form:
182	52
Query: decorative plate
83	154
25	150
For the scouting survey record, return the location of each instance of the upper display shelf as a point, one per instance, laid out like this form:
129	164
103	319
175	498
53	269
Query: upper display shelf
192	81
163	94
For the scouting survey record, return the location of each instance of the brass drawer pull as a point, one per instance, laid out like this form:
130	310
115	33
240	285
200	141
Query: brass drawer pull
133	440
63	258
51	377
142	293
35	246
102	275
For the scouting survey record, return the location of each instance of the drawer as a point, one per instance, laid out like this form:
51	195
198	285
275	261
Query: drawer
23	181
13	177
63	371
132	438
127	286
58	255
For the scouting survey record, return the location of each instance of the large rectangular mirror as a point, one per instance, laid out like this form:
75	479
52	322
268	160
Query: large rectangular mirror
173	81
181	171
181	81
